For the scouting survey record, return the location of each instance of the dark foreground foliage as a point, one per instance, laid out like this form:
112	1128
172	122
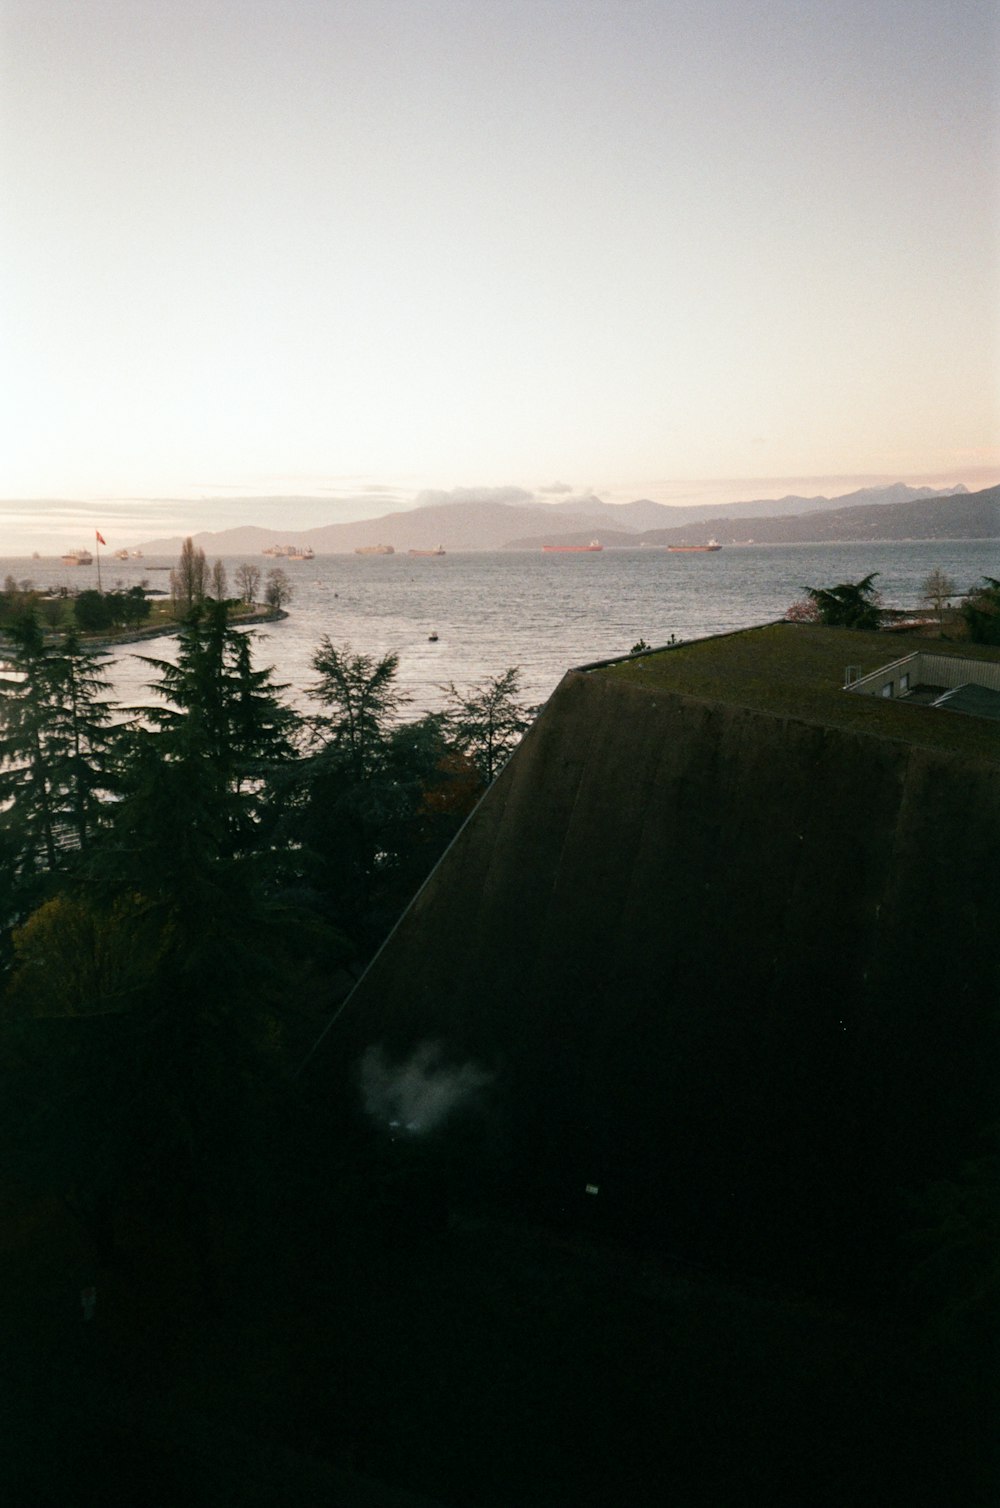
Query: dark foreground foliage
290	1307
376	1335
981	611
852	604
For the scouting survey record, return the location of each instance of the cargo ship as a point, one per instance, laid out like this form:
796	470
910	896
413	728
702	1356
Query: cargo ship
713	544
439	551
595	544
375	550
78	557
290	552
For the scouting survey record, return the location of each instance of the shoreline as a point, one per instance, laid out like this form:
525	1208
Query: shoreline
160	630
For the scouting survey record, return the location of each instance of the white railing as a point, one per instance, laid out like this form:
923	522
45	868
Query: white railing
926	669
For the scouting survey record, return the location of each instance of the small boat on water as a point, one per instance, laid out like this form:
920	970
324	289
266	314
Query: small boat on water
595	544
713	544
78	557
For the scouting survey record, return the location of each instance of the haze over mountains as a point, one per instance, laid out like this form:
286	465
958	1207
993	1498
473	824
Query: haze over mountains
973	516
644	514
894	512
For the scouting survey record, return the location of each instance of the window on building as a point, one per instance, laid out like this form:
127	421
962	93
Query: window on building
887	689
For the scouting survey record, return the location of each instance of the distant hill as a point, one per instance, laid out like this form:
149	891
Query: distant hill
246	539
487	525
966	516
644	514
456	526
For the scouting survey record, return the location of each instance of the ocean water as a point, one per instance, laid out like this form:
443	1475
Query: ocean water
544	613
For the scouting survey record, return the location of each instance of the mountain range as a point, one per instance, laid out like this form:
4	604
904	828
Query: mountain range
645	514
967	516
895	512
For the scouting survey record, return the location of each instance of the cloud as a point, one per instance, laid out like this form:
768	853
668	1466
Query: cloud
417	1096
557	487
40	520
513	496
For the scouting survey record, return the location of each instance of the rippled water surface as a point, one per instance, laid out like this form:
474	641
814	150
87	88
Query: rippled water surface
542	612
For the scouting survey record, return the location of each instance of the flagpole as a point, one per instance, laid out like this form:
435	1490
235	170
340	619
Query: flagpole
97	545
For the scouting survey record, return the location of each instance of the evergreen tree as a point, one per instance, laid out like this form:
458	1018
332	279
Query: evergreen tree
486	722
379	798
27	789
364	701
195	947
82	741
852	604
55	747
222	713
981	611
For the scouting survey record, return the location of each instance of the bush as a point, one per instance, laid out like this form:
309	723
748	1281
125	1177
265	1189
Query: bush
135	606
93	612
99	611
981	611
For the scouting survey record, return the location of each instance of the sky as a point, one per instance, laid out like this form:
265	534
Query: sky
352	250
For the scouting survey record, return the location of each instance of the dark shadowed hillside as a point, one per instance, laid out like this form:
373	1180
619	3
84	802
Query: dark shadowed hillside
973	516
733	966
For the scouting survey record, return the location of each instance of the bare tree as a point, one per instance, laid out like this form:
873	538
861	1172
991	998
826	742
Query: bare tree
278	588
189	581
248	581
937	591
220	581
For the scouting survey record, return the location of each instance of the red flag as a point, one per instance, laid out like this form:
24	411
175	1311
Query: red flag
100	537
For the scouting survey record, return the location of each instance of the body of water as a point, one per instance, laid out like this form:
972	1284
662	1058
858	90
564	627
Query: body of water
542	612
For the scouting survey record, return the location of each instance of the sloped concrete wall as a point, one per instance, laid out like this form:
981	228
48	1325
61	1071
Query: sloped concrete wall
741	972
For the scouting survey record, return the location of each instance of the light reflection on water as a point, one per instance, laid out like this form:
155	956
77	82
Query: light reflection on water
542	612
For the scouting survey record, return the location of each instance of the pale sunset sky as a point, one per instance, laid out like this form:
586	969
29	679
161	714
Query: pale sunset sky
693	250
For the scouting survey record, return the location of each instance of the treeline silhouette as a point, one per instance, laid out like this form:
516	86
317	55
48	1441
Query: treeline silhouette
189	886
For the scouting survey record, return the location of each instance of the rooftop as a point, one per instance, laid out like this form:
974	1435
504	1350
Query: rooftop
798	670
972	700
